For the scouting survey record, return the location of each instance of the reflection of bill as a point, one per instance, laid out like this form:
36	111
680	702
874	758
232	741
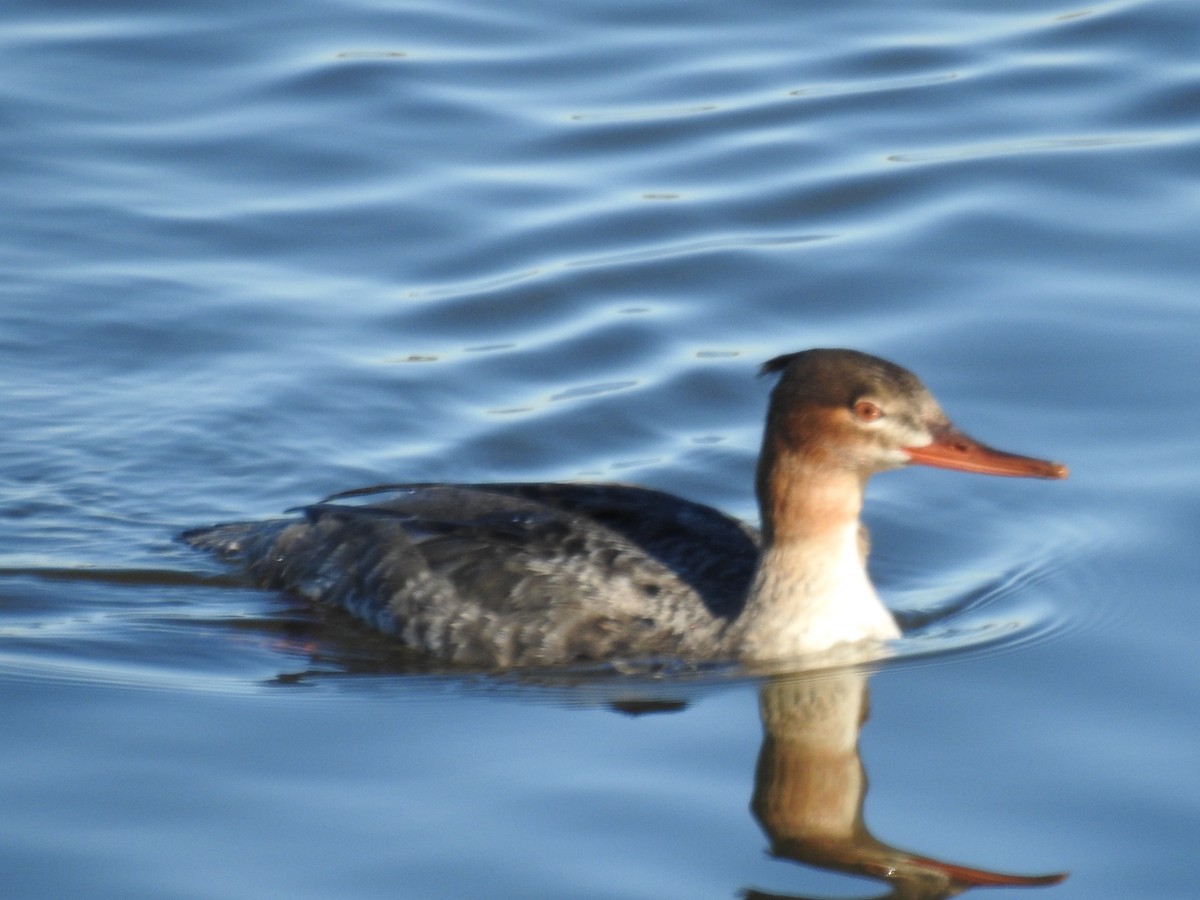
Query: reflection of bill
810	785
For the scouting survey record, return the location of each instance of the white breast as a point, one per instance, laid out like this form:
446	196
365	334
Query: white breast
811	596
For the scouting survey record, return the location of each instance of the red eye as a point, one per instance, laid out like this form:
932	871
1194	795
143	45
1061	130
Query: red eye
866	411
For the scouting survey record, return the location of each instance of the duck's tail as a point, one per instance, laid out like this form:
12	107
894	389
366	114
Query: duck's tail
228	541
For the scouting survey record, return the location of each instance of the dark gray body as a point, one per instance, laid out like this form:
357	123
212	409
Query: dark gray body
512	574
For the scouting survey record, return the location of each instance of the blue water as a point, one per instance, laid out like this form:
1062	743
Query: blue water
255	253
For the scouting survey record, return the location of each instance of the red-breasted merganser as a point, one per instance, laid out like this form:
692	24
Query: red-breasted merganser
523	575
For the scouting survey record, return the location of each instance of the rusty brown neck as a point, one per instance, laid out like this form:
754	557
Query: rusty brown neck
804	497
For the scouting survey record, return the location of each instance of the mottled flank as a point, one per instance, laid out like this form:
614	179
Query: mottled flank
511	574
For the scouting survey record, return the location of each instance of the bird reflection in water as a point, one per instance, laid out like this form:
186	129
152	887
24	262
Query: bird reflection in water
810	785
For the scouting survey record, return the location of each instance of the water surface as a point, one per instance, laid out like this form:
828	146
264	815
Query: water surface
254	254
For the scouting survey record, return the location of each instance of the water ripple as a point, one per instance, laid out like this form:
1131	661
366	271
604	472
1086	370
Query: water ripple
874	87
667	251
1019	147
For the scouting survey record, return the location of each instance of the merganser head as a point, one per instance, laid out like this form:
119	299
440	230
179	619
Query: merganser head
846	410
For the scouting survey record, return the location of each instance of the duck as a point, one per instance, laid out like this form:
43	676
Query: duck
531	575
